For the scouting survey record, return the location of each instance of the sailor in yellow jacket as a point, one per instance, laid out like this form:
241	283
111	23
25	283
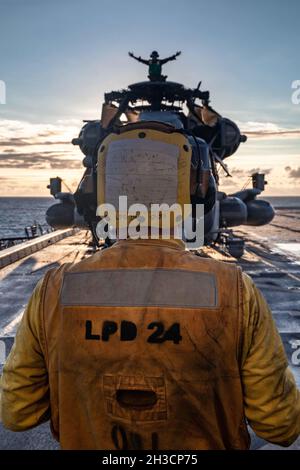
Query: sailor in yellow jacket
145	345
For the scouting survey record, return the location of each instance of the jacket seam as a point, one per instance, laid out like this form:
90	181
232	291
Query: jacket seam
240	318
172	246
43	294
240	339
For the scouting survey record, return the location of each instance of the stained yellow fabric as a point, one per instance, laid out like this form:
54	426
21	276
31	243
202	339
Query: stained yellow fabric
271	398
184	161
24	382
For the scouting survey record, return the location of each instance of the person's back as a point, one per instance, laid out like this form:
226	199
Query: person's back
145	347
149	346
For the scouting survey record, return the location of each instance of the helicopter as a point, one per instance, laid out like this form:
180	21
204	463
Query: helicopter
212	137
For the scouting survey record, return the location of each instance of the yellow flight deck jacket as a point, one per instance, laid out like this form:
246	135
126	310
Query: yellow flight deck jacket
146	346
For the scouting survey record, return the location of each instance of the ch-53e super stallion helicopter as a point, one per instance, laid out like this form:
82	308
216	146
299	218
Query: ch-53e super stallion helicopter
213	138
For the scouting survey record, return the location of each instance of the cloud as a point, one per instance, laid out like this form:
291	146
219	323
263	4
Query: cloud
267	130
266	171
241	177
228	182
39	146
42	160
242	173
17	142
23	133
238	172
293	173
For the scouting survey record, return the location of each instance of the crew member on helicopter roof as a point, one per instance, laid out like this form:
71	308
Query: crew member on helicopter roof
155	64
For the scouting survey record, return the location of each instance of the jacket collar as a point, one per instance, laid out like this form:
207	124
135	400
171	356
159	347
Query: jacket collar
171	243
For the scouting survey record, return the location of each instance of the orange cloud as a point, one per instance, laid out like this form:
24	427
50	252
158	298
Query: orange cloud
267	130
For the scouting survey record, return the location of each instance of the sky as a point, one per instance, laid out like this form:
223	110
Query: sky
59	57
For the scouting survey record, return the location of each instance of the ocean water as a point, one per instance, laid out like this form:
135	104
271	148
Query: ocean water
16	213
292	202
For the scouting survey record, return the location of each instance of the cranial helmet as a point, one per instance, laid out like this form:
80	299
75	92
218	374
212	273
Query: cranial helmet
154	55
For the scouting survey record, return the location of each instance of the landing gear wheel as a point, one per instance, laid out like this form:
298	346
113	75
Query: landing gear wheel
233	245
236	247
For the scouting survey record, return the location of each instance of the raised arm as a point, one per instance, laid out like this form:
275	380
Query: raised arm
172	57
139	59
